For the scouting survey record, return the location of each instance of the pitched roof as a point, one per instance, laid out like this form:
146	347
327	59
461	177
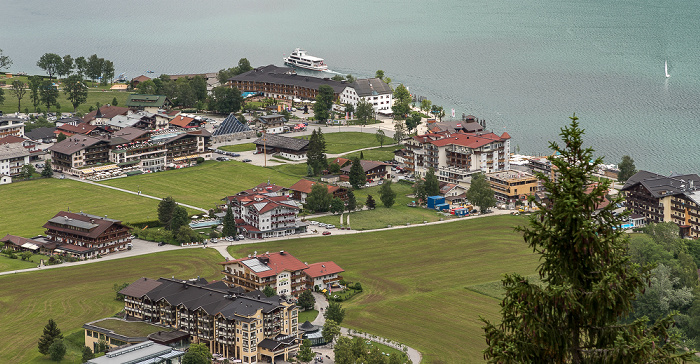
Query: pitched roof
304	185
107	112
371	87
283	76
366	165
41	133
10	139
77	223
323	269
141	78
469	140
341	161
14	150
661	186
467	126
75	143
82	128
269	264
140	287
130	133
282	142
182	121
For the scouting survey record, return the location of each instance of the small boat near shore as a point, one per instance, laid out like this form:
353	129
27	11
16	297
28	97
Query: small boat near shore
300	59
666	69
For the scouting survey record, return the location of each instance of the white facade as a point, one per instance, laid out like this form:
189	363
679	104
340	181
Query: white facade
13	157
11	126
380	102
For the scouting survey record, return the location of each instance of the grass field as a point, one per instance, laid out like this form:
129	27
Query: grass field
309	315
95	95
26	206
348	141
415	280
381	217
128	328
77	295
378	154
7	264
204	185
238	147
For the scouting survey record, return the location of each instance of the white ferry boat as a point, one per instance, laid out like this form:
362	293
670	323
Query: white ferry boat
300	59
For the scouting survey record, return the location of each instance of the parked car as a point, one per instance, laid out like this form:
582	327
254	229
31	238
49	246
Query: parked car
161	243
326	232
247	160
329	226
241	237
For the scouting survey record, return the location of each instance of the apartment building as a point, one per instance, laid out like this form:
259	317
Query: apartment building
510	186
456	155
10	125
283	83
247	326
372	90
89	233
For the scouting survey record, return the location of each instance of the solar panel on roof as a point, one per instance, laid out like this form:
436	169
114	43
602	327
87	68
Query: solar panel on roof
231	125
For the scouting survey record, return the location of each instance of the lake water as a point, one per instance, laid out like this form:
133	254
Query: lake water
525	66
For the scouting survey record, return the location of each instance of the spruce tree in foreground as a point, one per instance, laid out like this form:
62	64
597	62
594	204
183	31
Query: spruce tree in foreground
51	333
588	283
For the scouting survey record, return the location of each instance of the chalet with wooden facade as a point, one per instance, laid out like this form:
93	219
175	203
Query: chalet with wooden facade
290	148
300	190
92	234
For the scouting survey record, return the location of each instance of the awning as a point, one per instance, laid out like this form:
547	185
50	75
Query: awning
191	156
30	246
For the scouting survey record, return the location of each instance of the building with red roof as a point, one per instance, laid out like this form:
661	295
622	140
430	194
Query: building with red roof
265	211
455	155
182	121
279	270
300	190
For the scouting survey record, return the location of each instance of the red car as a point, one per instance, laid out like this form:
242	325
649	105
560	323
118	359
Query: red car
326	233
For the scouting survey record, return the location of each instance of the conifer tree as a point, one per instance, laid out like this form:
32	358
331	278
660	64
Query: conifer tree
229	223
386	194
588	283
432	185
352	201
51	333
166	208
357	174
371	204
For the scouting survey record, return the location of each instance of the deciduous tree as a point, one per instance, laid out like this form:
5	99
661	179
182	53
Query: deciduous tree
51	333
432	185
627	168
225	100
75	90
305	354
386	194
87	354
306	300
48	94
5	61
34	86
425	105
27	171
107	72
399	131
179	219
197	354
330	331
337	206
269	291
480	193
319	200
18	90
364	112
94	67
380	137
413	121
587	282
57	350
81	67
67	66
402	102
50	62
335	312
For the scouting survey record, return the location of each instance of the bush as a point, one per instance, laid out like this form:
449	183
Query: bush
200	160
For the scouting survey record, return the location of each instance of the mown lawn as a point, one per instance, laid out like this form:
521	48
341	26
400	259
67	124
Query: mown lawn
415	280
95	95
7	264
238	147
309	315
381	217
348	141
26	206
378	154
203	185
76	295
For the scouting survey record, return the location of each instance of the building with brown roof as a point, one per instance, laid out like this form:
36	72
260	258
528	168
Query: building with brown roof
283	83
322	275
77	152
374	171
229	321
93	235
300	190
136	80
37	244
104	113
182	121
291	148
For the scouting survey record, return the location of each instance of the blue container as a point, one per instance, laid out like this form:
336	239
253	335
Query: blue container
442	207
461	212
433	201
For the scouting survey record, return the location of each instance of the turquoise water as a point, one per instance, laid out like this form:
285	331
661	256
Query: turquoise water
524	66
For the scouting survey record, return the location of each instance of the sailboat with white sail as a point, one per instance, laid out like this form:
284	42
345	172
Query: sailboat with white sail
666	69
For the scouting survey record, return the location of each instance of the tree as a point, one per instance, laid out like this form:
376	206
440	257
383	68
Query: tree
57	350
425	105
87	354
419	191
48	94
480	193
243	66
76	90
166	208
663	296
269	291
587	283
94	67
432	185
18	90
330	331
147	87
27	171
371	204
413	121
380	137
349	108
51	333
47	172
80	67
107	72
2	96
338	78
364	111
316	152
334	168
324	102
34	85
399	132
305	354
61	137
352	201
402	102
66	67
337	206
50	62
379	74
185	93
229	223
225	100
319	200
5	61
197	354
386	194
118	287
179	219
627	168
343	351
26	255
306	300
357	175
335	312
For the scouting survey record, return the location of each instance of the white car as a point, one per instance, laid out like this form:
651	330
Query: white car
329	226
